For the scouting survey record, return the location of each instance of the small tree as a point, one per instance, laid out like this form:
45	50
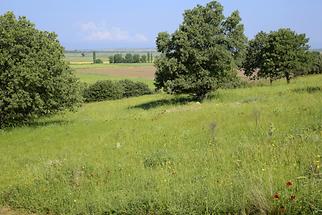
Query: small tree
314	63
111	59
276	55
199	56
118	58
94	57
34	77
128	58
143	59
136	58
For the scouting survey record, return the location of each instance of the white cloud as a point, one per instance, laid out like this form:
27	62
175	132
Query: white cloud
101	32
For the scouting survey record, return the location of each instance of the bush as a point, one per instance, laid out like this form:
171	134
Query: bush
103	90
98	61
131	88
109	90
34	78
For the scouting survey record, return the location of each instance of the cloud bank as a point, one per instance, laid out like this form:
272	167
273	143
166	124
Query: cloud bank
101	32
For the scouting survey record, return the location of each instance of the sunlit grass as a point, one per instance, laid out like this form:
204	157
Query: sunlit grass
161	154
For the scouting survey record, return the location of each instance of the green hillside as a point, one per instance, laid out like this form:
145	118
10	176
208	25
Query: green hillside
161	154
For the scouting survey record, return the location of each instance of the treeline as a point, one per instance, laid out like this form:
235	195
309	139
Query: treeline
131	58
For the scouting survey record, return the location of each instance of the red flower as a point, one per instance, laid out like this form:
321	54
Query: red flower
282	210
289	184
276	196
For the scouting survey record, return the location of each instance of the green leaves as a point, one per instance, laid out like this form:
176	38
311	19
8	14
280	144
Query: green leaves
34	77
276	54
205	48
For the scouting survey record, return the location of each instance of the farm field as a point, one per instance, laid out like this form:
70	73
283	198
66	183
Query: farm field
75	57
250	150
90	73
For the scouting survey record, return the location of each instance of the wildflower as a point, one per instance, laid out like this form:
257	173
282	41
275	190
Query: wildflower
282	210
276	196
293	197
289	184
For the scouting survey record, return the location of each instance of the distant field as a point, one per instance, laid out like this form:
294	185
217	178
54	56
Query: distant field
77	58
91	73
244	151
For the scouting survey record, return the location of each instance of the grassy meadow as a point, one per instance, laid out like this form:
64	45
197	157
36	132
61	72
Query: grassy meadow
247	151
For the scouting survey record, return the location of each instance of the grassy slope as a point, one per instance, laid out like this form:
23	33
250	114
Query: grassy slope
156	154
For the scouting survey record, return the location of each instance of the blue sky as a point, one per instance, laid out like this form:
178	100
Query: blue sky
104	24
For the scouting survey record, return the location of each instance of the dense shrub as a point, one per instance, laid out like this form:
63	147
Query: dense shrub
111	90
131	88
34	78
98	61
103	90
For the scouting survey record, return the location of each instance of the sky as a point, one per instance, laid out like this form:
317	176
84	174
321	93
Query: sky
113	24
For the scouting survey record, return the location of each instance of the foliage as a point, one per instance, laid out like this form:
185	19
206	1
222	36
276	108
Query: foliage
136	58
278	54
205	49
143	59
131	88
103	90
314	63
34	78
111	59
111	90
128	58
118	58
98	61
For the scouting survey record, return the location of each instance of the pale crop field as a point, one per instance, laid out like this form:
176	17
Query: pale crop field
90	73
245	150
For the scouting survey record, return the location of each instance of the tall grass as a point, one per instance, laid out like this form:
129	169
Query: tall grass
161	154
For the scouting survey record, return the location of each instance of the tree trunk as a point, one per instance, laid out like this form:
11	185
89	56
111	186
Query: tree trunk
288	79
270	81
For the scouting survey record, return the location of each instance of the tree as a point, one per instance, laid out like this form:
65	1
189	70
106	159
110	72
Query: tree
118	58
136	58
278	54
94	57
111	59
314	63
199	56
143	59
34	77
128	58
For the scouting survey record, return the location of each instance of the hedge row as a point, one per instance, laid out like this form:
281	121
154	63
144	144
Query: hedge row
112	90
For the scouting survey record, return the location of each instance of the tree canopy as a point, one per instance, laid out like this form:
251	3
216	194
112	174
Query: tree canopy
34	78
202	52
278	54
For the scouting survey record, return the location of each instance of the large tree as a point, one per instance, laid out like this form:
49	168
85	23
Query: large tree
204	50
278	54
34	77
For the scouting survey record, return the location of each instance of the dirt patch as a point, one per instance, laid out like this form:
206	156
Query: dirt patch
8	211
146	72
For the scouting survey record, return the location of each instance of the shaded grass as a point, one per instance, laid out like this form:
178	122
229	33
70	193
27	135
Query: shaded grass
113	158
